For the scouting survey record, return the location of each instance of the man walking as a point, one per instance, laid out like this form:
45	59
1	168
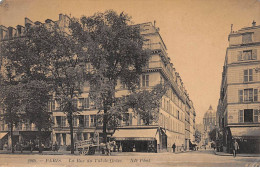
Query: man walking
173	147
235	148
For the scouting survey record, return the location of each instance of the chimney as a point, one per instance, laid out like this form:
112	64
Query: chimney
60	16
253	23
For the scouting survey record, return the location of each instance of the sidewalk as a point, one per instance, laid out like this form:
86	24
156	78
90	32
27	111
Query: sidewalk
238	155
77	153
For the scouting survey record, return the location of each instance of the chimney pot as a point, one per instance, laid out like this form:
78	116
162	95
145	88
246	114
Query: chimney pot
253	23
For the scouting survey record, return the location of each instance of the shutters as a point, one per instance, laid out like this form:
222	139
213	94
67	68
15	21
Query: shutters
255	95
240	95
256	115
241	116
239	56
254	54
245	75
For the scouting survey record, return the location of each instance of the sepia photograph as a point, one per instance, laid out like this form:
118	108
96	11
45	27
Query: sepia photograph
129	83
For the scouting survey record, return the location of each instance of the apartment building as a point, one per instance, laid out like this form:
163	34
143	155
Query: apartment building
239	104
176	119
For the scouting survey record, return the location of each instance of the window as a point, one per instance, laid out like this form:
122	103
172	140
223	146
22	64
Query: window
63	121
127	119
58	105
58	120
247	55
92	120
247	38
248	95
86	103
248	75
81	103
248	115
145	80
86	120
81	120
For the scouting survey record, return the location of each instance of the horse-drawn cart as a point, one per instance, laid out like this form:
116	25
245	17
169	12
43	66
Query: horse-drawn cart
86	147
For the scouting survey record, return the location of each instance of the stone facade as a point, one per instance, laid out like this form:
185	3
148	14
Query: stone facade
239	104
176	123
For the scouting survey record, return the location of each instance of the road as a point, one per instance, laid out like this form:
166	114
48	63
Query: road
189	159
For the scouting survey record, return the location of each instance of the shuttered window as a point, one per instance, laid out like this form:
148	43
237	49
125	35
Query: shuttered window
256	116
255	95
240	95
254	54
241	116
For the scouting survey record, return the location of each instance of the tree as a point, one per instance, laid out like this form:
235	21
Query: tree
49	53
35	101
212	134
10	90
115	50
66	70
146	103
26	65
10	102
197	136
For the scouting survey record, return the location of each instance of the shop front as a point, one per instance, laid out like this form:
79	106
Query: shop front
248	139
137	140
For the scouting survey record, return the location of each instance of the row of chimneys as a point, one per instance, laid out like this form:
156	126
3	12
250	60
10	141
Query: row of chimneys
11	32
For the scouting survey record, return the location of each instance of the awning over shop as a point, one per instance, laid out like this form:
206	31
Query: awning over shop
245	132
2	134
135	134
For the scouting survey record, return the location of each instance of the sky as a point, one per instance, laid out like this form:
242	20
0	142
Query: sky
194	31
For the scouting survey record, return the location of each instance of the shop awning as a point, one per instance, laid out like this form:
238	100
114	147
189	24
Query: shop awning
135	134
245	132
2	134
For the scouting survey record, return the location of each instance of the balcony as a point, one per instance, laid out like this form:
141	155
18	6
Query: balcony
157	47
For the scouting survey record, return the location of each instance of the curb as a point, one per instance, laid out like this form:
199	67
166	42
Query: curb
238	155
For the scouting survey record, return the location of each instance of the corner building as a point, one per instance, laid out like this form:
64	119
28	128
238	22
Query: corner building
239	105
176	119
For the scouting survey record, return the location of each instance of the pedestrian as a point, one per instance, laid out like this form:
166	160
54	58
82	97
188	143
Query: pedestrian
235	148
21	147
173	147
55	146
182	147
31	146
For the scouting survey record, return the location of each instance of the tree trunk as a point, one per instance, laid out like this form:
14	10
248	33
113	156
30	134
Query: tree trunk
40	140
105	125
70	119
11	133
